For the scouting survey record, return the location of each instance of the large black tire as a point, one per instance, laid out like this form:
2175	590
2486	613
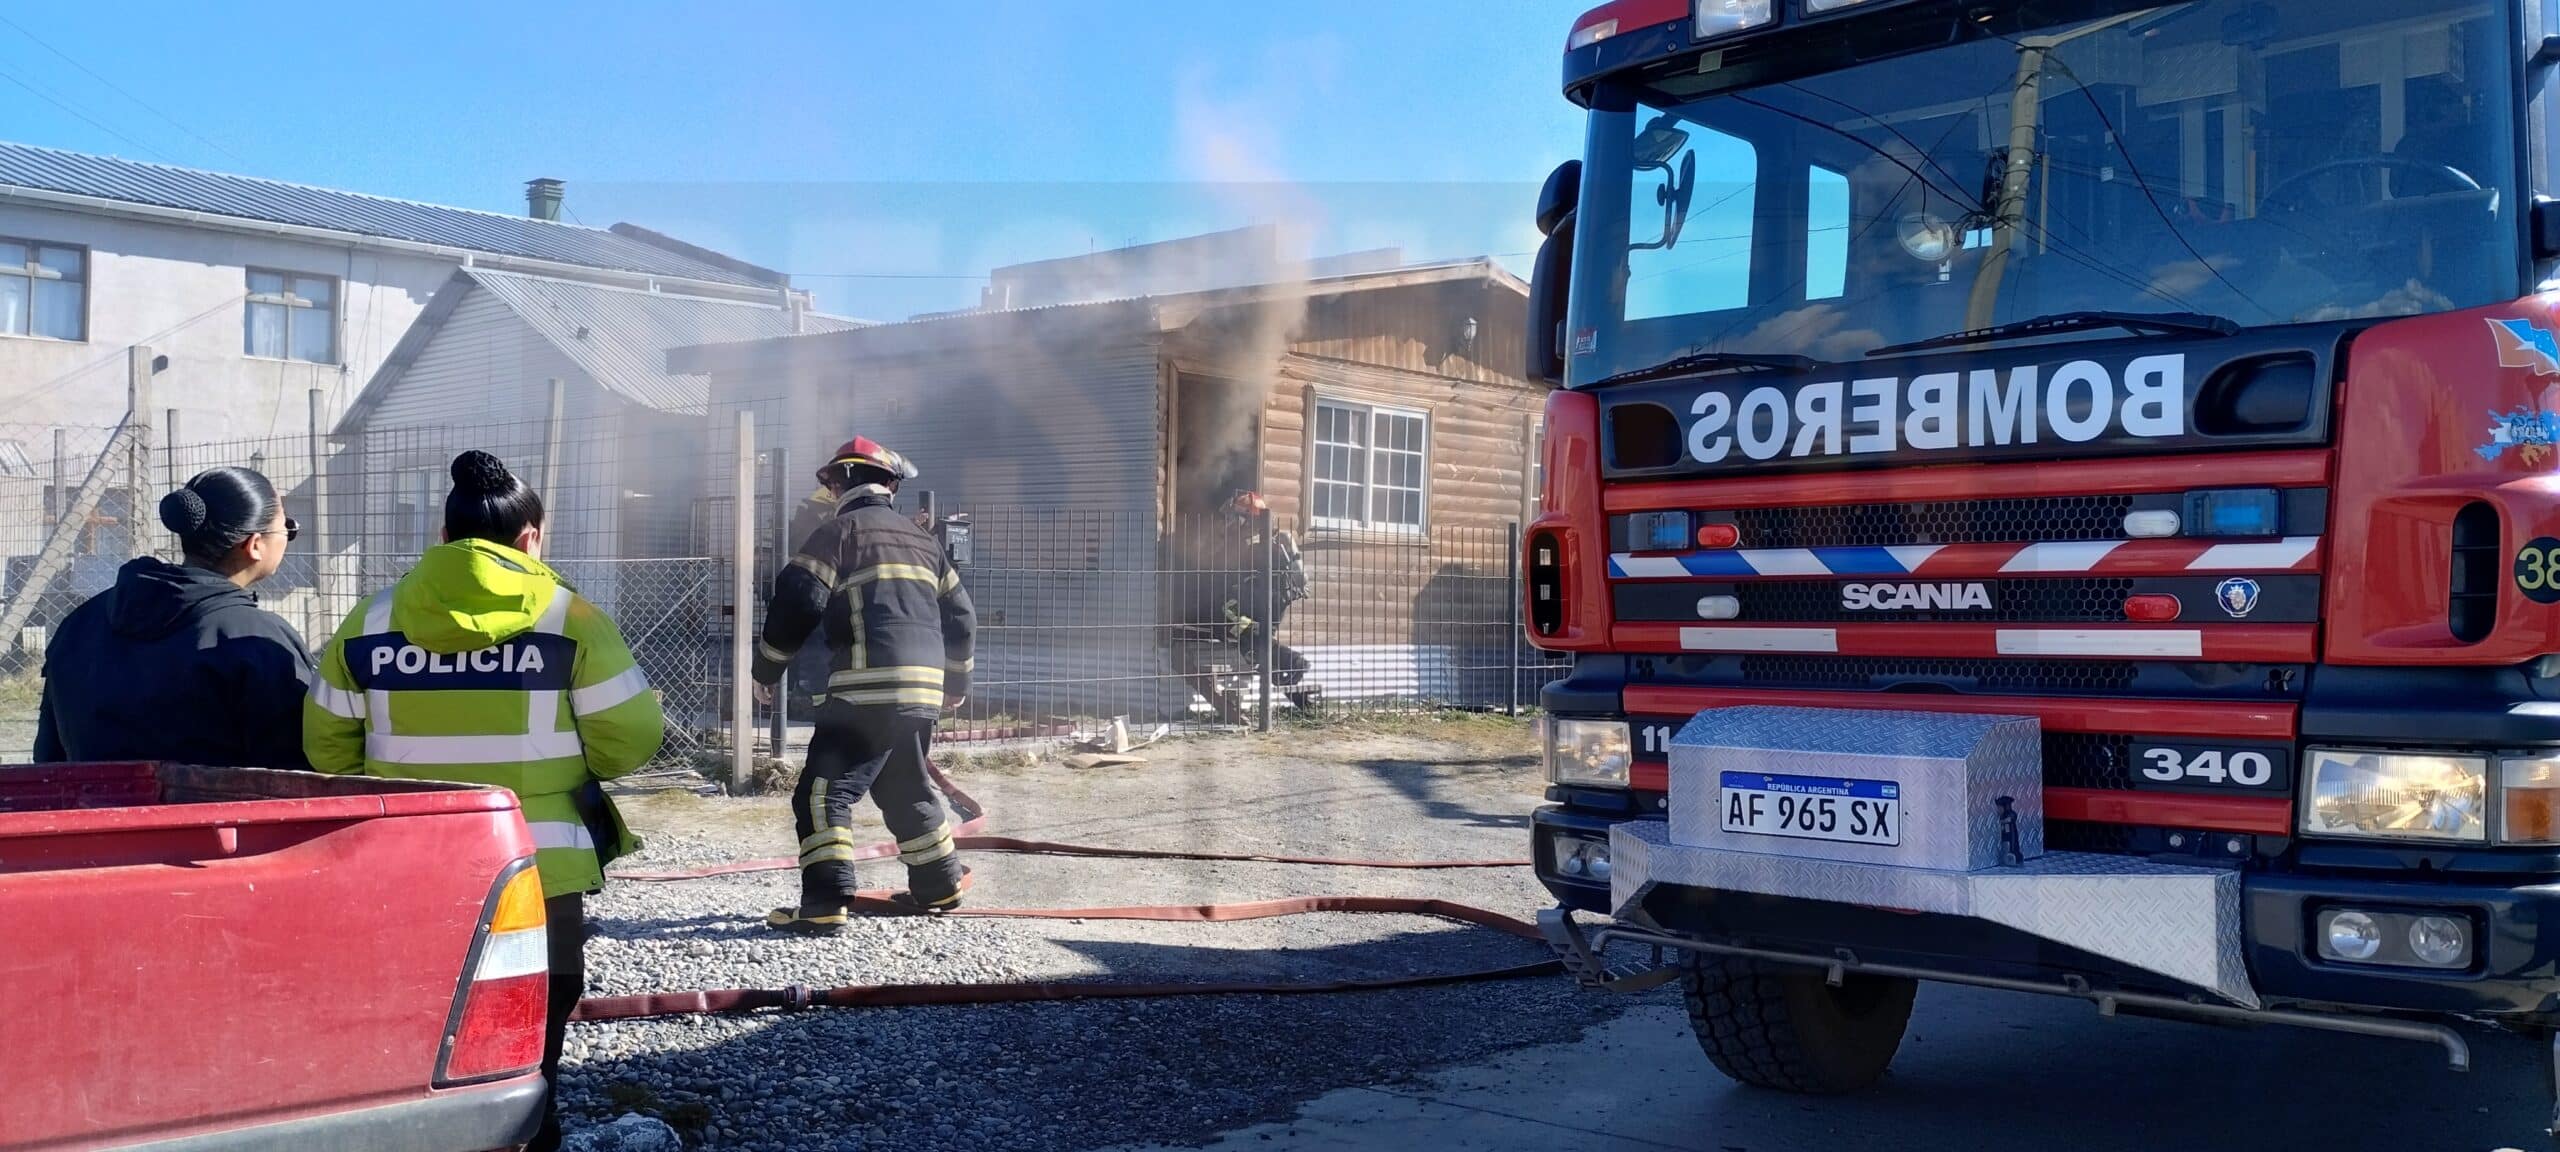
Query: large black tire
1783	1027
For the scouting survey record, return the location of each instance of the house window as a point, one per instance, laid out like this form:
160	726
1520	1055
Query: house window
1369	467
291	317
44	290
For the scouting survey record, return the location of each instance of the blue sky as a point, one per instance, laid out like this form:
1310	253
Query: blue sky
913	144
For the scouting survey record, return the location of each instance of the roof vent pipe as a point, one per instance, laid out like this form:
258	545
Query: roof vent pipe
542	198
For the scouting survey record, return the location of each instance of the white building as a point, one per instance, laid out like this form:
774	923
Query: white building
259	291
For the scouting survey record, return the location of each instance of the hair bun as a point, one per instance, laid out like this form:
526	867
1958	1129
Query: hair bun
183	512
478	471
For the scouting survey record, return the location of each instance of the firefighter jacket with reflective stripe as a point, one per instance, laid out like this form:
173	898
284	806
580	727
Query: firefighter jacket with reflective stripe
482	667
897	624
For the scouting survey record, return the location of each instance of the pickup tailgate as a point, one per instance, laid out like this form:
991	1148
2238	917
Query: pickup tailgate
234	959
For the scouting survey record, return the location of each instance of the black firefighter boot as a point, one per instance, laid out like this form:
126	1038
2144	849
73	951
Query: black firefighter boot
826	901
936	887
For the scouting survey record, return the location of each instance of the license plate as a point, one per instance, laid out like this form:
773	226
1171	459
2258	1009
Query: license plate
1813	807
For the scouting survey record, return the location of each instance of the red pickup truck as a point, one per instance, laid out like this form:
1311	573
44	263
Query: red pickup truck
221	958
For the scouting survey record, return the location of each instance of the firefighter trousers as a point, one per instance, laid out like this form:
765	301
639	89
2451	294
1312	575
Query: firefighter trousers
859	751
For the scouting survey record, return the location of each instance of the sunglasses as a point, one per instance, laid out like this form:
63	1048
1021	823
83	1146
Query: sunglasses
292	531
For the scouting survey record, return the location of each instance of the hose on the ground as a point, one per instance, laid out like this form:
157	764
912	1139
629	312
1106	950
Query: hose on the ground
968	836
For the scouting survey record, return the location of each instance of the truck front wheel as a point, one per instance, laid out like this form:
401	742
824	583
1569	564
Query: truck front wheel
1783	1027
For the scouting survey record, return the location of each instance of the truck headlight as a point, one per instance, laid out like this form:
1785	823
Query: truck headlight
1717	17
2349	792
1588	752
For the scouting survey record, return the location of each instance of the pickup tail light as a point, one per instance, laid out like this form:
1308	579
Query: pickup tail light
500	1010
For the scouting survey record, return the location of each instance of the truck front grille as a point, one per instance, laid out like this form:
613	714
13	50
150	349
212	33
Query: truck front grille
2080	836
2087	760
2023	676
2034	519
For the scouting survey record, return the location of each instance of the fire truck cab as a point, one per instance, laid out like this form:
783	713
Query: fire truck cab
2056	496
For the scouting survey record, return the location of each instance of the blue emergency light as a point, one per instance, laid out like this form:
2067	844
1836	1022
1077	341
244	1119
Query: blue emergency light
2233	512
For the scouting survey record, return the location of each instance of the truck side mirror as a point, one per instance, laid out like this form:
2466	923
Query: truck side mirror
2546	229
1549	279
1562	194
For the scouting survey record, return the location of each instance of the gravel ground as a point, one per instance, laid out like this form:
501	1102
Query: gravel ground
1088	1074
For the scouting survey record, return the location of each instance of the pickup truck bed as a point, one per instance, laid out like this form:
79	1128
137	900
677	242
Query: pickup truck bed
206	958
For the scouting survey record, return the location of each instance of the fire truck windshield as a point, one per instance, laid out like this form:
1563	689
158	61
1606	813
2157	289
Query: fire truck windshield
2266	163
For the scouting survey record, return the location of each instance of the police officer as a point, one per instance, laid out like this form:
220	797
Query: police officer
898	630
482	666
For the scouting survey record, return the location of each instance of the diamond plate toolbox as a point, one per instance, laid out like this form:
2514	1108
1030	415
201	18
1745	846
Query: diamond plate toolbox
1948	770
2179	921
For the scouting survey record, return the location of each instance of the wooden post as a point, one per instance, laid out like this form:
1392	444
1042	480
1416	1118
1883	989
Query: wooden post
742	600
782	549
551	442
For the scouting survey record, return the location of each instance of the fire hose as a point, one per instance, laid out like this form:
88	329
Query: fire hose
969	835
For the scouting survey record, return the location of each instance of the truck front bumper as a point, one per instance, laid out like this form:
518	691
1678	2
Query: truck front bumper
2514	973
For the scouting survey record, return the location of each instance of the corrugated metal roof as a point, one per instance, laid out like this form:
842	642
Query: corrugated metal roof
252	198
618	336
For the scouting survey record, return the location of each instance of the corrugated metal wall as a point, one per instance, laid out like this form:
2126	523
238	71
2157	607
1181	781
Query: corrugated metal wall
482	382
484	366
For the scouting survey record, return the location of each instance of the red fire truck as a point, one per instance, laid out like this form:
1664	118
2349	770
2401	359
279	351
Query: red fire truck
2056	496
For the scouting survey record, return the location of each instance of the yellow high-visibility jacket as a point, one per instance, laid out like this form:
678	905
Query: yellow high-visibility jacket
481	666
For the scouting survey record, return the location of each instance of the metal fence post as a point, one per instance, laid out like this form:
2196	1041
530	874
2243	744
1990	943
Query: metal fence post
170	449
1262	614
316	447
138	367
61	498
742	610
782	550
1511	618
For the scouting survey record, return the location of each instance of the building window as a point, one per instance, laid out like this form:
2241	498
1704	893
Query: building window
1369	467
44	290
292	317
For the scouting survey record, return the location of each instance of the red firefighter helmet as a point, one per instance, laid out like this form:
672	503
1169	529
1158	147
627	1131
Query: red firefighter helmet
864	452
1247	505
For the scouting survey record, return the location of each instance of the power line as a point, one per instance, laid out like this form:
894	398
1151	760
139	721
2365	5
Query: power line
119	90
39	94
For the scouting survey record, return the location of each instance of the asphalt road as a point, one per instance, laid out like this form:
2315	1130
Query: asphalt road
1979	1072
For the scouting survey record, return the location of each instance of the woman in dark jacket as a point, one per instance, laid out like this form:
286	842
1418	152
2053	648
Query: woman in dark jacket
178	662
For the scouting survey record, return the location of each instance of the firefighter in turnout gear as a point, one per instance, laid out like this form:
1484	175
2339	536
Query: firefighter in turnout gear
807	680
898	629
482	666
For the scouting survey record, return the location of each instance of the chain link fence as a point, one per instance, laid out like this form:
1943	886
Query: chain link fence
1086	615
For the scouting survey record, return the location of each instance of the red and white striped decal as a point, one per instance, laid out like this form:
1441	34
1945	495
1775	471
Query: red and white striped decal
2121	558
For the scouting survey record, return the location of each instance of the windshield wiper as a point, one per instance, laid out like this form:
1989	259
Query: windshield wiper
1710	362
2157	323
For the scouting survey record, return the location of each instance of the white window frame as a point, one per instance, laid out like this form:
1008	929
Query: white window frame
1368	415
34	272
297	310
